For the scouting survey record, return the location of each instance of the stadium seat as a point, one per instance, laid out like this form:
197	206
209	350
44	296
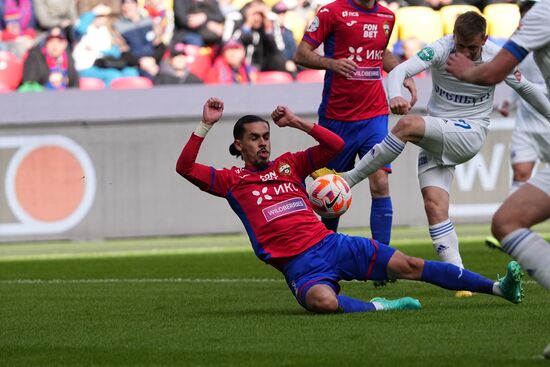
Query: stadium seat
274	77
311	76
11	70
91	84
502	19
418	22
449	13
131	82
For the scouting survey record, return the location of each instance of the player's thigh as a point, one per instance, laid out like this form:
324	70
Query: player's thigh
452	141
360	258
349	132
523	147
529	205
402	266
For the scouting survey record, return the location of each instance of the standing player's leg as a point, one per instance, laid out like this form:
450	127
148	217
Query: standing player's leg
529	205
381	212
435	184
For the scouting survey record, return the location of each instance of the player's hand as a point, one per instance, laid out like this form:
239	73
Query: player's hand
458	64
411	86
212	111
343	67
282	116
399	106
504	108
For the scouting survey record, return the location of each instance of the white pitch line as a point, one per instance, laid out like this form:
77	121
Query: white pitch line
140	280
160	280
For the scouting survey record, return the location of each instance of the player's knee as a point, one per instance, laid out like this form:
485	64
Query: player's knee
522	174
406	127
402	266
434	208
379	184
321	299
503	224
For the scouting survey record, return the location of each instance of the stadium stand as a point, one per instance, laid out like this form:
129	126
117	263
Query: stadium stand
274	77
91	84
11	70
449	13
310	76
502	19
131	82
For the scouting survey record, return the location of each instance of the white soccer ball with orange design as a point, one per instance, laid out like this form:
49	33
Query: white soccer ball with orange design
330	196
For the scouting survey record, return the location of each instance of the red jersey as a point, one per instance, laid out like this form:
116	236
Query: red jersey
350	31
272	203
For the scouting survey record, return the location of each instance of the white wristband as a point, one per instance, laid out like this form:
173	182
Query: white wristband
202	129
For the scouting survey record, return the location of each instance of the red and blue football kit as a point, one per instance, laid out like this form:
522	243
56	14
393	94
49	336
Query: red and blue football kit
356	108
350	31
272	203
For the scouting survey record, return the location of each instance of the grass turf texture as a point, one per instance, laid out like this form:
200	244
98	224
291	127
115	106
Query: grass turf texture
212	309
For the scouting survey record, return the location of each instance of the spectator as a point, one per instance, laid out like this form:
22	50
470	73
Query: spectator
175	69
50	64
231	67
287	37
84	6
17	26
257	34
198	22
143	37
56	13
96	55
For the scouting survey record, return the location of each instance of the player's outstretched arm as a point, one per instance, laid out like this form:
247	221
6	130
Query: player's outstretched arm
400	76
531	94
489	73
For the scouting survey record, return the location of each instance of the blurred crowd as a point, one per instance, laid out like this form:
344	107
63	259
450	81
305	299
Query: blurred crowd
63	42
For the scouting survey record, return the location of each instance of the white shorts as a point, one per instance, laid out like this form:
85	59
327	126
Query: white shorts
445	144
529	147
541	180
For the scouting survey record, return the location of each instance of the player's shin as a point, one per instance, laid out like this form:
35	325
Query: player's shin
349	305
445	242
532	252
452	277
379	156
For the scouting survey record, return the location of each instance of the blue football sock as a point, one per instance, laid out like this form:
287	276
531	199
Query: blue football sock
381	215
349	305
450	276
331	223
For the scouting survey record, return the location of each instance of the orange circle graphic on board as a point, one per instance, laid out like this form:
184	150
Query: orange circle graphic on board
49	183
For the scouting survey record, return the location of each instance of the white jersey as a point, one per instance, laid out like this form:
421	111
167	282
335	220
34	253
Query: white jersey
451	98
527	118
533	34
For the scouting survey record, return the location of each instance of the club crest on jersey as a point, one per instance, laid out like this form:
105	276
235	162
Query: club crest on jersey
284	169
426	54
314	25
386	28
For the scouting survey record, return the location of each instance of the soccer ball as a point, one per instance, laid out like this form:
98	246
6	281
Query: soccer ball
330	196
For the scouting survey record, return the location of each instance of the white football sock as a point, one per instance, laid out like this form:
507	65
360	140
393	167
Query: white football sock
380	155
532	252
445	242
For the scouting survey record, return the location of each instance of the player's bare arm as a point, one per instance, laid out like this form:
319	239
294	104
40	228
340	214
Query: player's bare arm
306	56
489	73
283	116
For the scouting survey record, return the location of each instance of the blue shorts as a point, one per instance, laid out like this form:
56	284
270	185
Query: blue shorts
360	137
337	257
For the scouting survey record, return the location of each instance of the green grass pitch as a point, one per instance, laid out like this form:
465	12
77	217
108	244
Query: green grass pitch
225	308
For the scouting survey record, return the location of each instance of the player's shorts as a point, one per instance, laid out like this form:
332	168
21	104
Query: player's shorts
541	180
360	137
529	146
449	142
337	257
